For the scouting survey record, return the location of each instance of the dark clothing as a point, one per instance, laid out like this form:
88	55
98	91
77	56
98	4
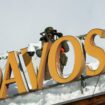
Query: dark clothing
63	57
65	46
39	52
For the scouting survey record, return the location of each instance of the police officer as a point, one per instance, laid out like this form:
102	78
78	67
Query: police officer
51	35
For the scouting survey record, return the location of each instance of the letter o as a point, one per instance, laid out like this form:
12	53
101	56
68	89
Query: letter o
79	59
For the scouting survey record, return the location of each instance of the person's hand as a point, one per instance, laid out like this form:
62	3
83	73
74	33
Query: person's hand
59	35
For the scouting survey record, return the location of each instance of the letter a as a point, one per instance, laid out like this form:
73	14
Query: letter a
12	66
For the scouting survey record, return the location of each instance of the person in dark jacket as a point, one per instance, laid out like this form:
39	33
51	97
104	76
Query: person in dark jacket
51	35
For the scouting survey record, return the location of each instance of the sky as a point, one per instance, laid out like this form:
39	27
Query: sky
21	21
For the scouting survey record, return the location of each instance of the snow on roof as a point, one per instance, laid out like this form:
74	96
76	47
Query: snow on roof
61	93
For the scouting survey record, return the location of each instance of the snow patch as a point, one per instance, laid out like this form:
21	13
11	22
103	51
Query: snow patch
60	93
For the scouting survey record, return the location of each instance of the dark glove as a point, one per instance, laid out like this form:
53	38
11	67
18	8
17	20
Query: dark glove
44	38
59	34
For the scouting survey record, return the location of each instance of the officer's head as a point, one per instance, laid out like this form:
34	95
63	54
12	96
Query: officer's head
49	31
